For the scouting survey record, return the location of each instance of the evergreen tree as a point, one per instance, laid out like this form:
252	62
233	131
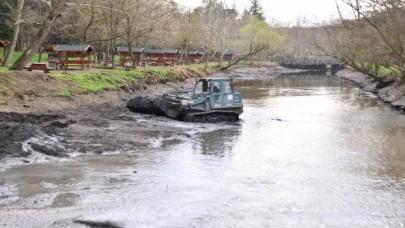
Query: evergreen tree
6	30
256	10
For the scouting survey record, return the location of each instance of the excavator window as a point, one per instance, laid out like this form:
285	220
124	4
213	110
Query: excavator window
216	89
228	87
202	87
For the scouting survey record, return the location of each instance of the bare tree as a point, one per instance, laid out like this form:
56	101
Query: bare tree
17	21
373	43
141	18
55	9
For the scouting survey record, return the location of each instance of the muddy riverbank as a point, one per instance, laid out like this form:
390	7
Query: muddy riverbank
99	128
390	92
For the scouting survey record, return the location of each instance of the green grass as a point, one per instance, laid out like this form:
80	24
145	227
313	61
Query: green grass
93	82
66	93
17	55
112	79
3	70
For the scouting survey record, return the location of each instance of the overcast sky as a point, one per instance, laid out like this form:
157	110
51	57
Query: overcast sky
286	11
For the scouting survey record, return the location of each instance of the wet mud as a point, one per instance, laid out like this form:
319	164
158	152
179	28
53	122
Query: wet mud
97	129
15	129
92	224
94	129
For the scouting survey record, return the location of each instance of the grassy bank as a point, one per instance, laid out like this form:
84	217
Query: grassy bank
113	79
25	85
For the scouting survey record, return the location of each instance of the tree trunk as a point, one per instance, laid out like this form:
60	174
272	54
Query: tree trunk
245	57
133	59
41	35
113	60
221	59
88	26
206	62
15	34
20	43
40	56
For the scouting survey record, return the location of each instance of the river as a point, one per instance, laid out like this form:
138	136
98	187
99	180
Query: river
310	151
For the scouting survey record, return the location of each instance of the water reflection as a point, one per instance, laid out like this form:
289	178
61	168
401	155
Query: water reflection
218	143
302	84
295	80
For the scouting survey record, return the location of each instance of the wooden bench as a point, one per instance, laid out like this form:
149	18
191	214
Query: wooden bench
39	66
84	64
107	61
159	62
198	61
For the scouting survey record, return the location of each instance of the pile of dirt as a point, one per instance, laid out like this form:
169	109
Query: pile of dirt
155	105
147	105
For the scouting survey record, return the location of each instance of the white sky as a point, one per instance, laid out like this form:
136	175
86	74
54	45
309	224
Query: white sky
286	11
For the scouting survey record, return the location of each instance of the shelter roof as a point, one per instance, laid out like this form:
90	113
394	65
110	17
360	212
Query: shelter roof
73	48
195	53
172	51
154	51
126	49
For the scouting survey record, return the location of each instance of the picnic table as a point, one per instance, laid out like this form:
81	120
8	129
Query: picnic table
39	66
160	62
84	64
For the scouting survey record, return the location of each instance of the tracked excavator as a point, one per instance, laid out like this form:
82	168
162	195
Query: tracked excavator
211	100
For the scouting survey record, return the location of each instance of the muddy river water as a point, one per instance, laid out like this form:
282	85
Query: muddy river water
310	151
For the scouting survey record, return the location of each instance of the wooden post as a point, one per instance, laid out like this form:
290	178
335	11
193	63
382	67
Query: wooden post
81	62
89	60
66	61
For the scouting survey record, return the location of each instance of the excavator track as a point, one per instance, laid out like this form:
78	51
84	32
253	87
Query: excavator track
211	117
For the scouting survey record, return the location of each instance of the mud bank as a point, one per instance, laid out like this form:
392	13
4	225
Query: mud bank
390	92
98	129
70	129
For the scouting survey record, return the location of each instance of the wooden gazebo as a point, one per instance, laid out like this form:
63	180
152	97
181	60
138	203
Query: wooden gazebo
171	56
155	56
228	56
125	55
194	56
2	45
79	55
